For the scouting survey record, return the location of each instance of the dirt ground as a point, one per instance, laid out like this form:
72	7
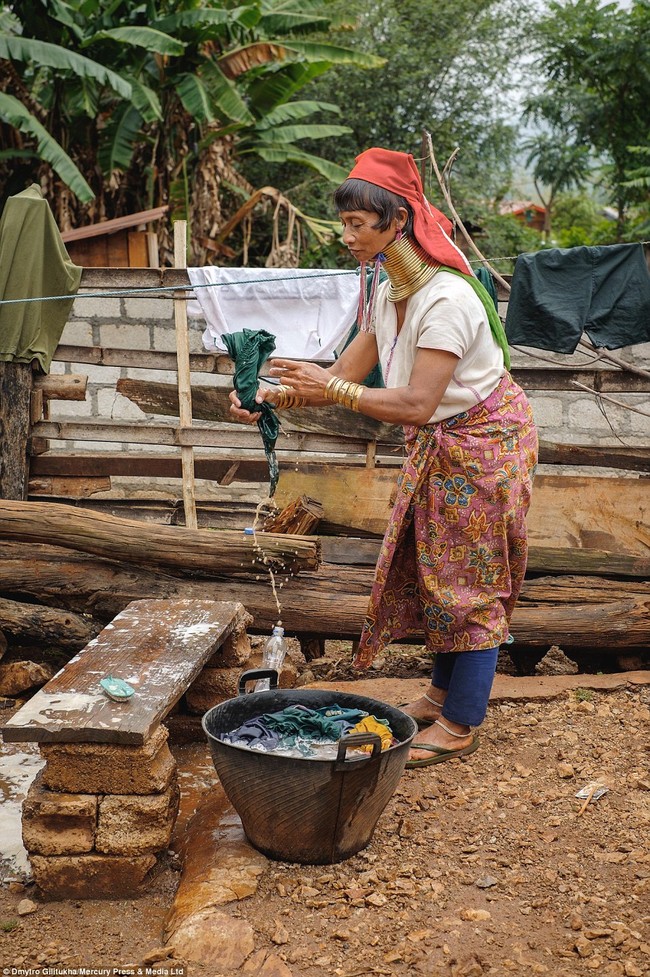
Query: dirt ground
484	866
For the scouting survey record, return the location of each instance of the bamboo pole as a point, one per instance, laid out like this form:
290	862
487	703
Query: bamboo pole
184	385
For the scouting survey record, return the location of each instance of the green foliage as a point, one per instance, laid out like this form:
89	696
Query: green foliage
583	695
15	113
597	89
7	925
158	84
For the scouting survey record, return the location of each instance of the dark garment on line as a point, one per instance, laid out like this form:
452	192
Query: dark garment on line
560	293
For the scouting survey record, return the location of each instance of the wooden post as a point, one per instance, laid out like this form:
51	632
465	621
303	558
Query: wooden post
183	368
15	412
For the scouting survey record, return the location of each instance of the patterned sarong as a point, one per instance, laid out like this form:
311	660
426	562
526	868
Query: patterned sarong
454	555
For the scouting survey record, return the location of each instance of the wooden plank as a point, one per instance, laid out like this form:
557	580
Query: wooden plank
89	464
562	378
212	404
183	376
610	514
157	646
530	378
140	359
73	488
626	458
226	437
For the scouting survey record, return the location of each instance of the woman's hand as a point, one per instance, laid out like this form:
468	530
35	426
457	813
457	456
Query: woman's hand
238	412
304	379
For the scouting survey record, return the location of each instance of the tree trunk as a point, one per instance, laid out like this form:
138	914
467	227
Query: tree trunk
46	624
15	403
185	550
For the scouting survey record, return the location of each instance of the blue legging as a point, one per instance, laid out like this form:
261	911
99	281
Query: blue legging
467	676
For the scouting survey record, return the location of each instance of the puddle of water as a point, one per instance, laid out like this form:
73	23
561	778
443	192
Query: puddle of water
19	764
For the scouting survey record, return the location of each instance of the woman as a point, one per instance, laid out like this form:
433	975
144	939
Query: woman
454	554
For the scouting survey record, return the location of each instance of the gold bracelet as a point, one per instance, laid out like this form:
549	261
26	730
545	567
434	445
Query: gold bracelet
286	399
344	392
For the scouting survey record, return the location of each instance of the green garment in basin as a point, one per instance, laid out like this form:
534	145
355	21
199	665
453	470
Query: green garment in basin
33	263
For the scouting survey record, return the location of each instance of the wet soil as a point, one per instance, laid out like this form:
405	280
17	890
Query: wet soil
489	865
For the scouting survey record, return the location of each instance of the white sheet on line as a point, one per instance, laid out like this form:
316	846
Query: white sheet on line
309	316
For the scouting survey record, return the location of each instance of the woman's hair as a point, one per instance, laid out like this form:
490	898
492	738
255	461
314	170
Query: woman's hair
361	195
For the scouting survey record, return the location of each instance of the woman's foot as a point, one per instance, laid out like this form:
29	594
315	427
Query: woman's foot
427	708
443	734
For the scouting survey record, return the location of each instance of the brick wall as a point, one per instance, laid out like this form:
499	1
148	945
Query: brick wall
148	324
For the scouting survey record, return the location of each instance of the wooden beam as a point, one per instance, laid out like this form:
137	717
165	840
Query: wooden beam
531	378
212	404
75	488
184	383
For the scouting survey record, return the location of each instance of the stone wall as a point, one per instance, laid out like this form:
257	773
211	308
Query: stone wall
148	323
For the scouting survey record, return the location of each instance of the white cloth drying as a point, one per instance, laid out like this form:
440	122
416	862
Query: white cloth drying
310	312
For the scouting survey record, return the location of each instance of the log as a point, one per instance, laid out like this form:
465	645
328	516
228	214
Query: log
627	458
45	624
330	602
62	386
15	407
300	518
185	550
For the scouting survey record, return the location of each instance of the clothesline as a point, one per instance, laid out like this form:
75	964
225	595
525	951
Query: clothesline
157	289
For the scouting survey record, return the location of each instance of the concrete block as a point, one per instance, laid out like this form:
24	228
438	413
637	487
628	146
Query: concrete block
58	824
547	411
154	376
65	410
585	414
96	308
164	339
90	876
155	308
134	825
101	375
125	335
107	768
116	406
77	332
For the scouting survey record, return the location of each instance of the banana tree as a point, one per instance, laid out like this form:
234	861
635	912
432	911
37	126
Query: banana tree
153	102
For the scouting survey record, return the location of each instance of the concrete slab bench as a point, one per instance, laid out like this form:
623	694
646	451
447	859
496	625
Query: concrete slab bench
103	807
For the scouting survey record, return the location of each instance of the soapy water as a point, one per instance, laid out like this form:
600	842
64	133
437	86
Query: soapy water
19	765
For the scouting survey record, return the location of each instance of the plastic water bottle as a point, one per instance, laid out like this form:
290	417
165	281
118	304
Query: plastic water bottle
273	656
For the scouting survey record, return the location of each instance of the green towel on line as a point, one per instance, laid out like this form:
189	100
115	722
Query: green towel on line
33	263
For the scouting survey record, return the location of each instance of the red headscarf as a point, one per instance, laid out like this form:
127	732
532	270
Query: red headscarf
398	173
